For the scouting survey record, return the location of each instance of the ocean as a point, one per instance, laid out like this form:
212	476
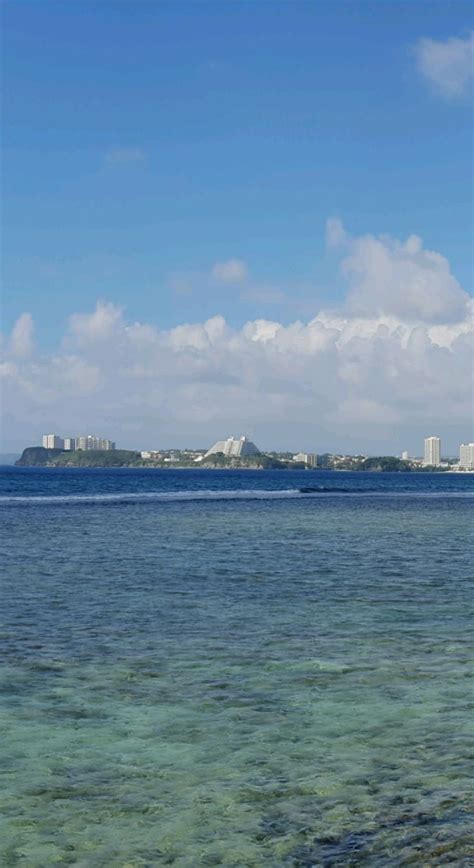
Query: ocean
205	668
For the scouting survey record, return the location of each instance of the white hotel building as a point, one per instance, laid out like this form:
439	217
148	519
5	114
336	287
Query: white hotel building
52	441
466	456
309	458
90	441
233	448
432	454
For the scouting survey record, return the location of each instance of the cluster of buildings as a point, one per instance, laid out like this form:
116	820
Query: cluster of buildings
232	447
172	456
242	447
308	458
432	455
466	456
82	441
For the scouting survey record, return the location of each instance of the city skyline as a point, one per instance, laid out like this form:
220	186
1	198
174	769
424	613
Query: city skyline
239	451
431	453
282	260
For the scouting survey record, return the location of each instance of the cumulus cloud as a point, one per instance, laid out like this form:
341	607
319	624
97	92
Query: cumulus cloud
86	328
21	338
392	363
398	278
230	271
335	232
447	65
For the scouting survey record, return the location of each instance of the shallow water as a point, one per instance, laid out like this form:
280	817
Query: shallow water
209	668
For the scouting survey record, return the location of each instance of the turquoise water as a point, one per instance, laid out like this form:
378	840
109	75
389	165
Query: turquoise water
214	669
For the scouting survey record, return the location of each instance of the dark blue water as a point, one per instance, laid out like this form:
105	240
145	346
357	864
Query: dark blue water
53	482
210	668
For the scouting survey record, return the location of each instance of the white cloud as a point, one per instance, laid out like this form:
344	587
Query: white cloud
335	232
394	362
94	327
447	65
400	278
230	271
21	338
124	156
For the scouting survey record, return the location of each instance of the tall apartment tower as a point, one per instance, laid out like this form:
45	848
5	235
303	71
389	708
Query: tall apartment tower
90	441
52	441
432	451
466	456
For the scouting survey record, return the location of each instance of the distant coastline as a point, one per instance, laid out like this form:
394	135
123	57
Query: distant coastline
39	456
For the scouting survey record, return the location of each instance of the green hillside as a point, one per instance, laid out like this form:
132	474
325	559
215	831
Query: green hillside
35	456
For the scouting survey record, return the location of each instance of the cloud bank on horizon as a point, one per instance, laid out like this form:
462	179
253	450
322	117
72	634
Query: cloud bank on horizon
391	364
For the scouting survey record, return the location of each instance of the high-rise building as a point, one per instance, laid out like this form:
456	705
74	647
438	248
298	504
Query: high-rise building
69	443
466	456
405	455
309	458
52	441
90	441
432	454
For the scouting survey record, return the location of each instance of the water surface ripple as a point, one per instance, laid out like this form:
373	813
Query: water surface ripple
219	670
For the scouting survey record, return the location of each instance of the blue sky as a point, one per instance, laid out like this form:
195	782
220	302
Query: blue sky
170	164
147	141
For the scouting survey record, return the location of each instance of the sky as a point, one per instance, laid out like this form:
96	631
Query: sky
238	217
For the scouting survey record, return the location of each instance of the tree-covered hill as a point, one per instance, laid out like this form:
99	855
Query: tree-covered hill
35	456
384	463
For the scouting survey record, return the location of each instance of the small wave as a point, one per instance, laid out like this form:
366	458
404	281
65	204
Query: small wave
131	496
305	493
328	489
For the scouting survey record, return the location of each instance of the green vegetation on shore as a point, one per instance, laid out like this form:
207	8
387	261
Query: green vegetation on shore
385	463
256	462
37	456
